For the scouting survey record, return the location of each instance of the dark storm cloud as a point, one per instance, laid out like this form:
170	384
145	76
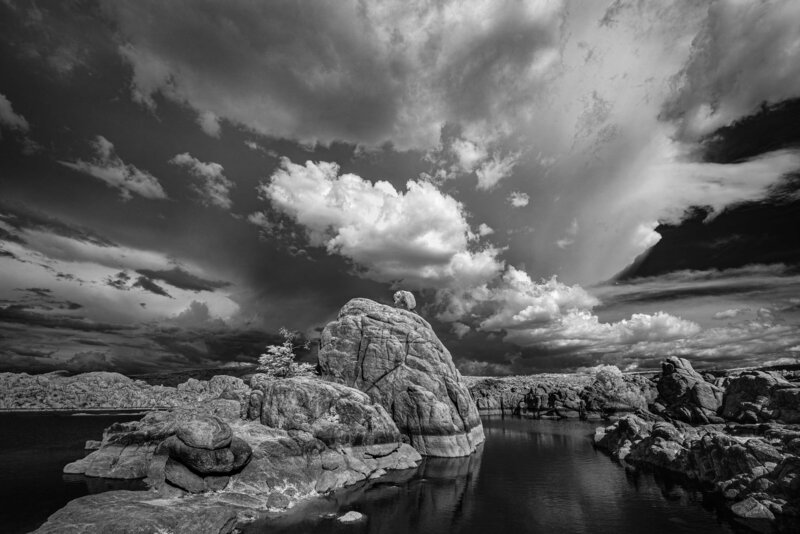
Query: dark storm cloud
297	70
148	285
23	315
182	279
20	217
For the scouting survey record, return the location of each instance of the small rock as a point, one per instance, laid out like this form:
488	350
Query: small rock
751	509
351	517
405	300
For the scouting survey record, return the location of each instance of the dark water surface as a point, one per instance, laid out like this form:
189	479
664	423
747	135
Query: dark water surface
532	476
34	447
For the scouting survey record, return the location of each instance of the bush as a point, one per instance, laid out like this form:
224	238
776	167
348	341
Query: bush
278	361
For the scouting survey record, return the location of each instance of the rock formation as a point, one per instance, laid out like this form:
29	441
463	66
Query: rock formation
104	390
304	437
737	439
757	469
405	300
559	395
394	356
756	396
685	395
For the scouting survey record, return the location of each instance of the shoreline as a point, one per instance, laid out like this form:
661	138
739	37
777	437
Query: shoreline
87	411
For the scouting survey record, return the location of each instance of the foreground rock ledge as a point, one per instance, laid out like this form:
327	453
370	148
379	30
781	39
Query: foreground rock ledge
393	355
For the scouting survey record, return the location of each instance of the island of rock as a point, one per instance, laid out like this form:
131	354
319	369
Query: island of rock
240	448
393	355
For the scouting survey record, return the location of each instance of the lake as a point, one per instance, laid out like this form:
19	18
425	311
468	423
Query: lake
531	476
34	447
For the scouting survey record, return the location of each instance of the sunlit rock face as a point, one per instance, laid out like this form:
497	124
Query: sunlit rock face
394	355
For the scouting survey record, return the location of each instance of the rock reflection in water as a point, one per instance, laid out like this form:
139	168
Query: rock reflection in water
434	497
530	476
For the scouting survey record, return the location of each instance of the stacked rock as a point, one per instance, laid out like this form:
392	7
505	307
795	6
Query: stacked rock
203	454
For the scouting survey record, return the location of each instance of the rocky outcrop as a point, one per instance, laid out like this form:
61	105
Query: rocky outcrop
104	390
685	395
757	396
755	468
394	356
559	395
135	512
335	414
128	449
306	438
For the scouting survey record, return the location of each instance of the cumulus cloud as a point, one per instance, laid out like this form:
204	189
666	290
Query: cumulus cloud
197	314
108	167
495	169
518	199
484	230
552	316
585	99
419	236
209	123
9	119
213	188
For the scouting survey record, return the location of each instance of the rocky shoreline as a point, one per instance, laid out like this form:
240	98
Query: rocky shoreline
231	450
737	436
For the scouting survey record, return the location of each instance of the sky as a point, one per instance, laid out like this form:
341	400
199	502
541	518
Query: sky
561	184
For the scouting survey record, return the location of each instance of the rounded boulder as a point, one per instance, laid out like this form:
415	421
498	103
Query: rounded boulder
205	432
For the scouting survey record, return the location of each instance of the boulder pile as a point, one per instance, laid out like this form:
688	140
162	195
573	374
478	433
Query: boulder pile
203	454
737	434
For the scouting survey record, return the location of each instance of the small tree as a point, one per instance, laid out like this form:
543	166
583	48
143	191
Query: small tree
278	362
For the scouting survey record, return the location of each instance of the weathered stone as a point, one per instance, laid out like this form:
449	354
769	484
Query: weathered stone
405	300
205	432
335	414
394	356
115	461
685	394
751	509
179	475
137	512
204	461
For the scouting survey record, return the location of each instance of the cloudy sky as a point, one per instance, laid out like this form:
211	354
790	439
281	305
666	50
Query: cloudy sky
561	184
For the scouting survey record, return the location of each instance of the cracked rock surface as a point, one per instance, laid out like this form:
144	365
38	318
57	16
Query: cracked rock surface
395	357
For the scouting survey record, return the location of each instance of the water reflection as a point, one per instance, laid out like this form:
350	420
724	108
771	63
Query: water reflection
532	476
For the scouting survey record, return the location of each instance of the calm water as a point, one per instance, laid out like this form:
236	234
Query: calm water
530	476
33	450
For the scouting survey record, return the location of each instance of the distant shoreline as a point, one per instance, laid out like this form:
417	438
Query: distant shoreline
87	411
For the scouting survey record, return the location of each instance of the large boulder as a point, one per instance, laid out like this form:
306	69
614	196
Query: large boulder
393	355
335	414
686	395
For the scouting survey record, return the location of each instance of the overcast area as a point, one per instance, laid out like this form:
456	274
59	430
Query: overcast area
561	184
